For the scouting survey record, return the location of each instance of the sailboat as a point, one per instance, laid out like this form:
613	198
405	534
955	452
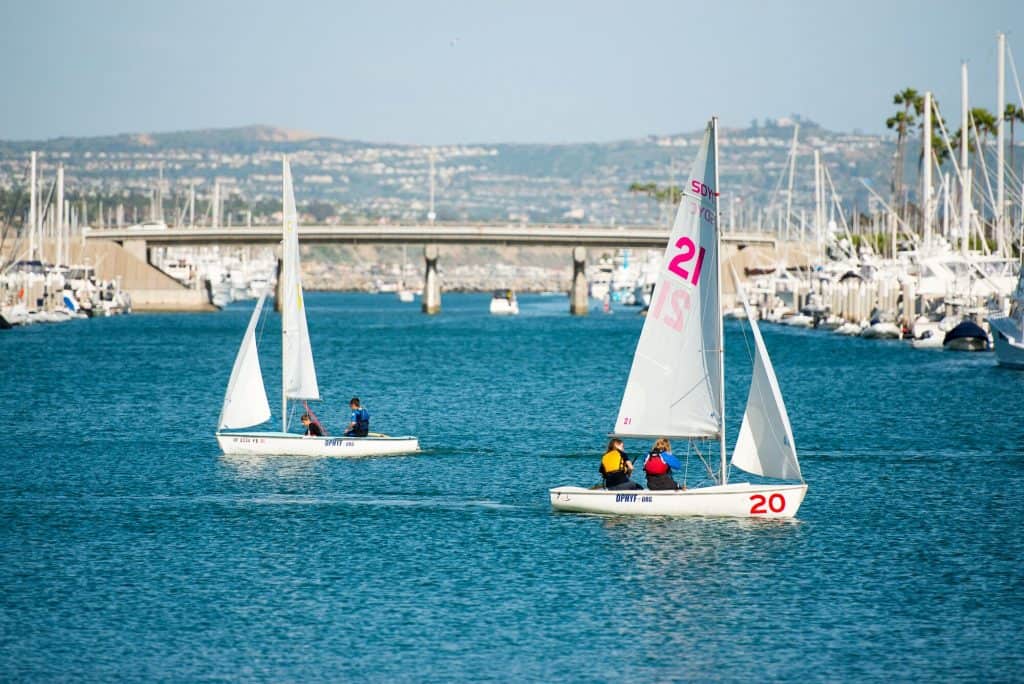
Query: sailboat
676	386
245	401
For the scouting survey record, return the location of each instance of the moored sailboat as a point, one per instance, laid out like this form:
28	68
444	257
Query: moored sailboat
676	384
245	401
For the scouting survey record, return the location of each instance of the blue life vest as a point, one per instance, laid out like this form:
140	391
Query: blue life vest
361	418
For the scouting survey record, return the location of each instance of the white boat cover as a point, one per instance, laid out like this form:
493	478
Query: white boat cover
765	444
674	386
298	371
245	402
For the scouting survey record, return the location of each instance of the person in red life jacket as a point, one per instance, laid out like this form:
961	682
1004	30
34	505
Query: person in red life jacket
616	467
658	466
359	426
313	428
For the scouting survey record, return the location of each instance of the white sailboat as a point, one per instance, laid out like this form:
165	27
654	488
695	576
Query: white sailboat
245	402
1008	331
676	384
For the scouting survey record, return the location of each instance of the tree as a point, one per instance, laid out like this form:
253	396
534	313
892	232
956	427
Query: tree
1013	114
901	122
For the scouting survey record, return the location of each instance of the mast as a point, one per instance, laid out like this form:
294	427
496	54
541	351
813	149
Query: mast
59	216
792	170
926	174
32	211
965	172
718	313
282	282
1000	109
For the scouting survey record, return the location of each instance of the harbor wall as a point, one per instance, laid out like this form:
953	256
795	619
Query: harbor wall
149	288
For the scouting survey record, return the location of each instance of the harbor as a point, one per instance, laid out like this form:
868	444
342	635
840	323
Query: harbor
573	342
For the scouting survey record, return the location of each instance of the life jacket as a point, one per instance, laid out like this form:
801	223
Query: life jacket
613	463
655	464
361	417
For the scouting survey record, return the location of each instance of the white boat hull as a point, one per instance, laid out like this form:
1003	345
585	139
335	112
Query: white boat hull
282	444
503	307
1008	352
740	500
881	331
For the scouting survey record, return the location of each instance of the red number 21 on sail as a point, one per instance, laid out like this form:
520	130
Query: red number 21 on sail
685	256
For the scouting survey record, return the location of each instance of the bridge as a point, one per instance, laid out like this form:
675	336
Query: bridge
550	235
138	240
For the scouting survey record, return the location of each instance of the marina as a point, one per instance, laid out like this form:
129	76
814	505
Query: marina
574	342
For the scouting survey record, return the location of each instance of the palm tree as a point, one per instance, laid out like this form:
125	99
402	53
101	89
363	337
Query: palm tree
1013	114
901	122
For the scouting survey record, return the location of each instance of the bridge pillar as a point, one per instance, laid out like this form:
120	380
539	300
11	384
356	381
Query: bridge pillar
579	303
431	300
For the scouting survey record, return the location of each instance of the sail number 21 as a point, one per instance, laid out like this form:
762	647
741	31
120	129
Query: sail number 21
685	256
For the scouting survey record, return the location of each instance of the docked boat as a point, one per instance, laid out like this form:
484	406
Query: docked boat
245	401
967	336
676	385
1008	331
504	303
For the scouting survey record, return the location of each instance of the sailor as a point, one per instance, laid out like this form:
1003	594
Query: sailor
658	466
616	467
313	428
359	425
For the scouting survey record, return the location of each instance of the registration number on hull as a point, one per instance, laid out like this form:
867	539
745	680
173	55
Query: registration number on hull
633	498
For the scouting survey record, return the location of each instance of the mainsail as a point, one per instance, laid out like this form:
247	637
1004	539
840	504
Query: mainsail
765	445
675	383
245	402
298	373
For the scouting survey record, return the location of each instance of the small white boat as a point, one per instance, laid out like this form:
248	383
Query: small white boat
245	401
1008	331
288	444
799	320
737	500
406	296
881	330
930	338
676	385
504	303
849	329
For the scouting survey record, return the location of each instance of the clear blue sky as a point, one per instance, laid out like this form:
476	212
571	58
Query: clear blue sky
485	71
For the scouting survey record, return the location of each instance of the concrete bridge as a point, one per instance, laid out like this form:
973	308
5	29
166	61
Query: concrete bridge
577	237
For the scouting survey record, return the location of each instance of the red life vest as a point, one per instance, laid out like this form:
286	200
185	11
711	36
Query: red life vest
655	465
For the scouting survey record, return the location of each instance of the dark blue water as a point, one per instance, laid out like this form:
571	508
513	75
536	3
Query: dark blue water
131	549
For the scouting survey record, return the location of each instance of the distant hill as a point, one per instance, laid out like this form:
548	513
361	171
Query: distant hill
588	182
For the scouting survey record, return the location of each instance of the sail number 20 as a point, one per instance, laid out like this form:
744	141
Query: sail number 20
684	257
776	504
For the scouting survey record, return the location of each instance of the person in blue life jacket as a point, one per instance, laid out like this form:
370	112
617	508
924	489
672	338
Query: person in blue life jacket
359	425
616	467
658	467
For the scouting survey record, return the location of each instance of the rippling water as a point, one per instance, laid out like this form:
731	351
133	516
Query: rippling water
132	549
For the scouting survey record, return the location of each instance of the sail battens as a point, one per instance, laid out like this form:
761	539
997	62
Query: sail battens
245	401
681	336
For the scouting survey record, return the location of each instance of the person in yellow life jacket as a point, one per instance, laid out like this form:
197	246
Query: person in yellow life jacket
616	467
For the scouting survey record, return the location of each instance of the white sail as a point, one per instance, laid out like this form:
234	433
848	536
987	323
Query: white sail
765	445
674	387
245	402
298	371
